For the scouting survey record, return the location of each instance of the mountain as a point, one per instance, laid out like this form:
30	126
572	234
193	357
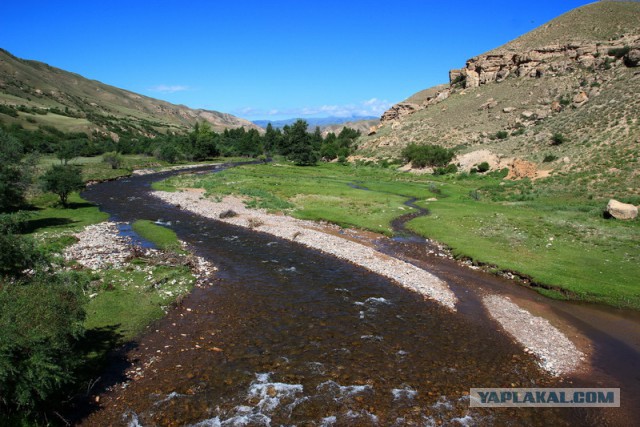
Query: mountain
562	99
322	122
35	94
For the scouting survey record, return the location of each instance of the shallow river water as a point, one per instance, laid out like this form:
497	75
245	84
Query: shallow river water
286	335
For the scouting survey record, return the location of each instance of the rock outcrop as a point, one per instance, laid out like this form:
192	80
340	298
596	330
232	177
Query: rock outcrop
405	108
621	210
548	60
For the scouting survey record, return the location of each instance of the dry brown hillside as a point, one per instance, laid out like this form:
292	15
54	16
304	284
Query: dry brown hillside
565	97
74	103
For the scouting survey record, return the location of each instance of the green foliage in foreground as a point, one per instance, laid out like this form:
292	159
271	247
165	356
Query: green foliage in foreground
41	322
164	238
547	231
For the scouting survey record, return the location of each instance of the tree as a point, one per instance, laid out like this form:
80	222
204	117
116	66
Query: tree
68	150
114	159
13	180
62	180
272	140
301	150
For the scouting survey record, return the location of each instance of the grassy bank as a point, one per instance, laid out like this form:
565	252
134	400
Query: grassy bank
542	230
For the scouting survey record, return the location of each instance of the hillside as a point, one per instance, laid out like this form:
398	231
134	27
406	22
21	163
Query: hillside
43	95
562	99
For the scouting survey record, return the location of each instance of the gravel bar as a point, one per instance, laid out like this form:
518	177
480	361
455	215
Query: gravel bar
308	234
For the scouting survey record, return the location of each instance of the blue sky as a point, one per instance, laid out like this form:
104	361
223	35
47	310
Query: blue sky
269	59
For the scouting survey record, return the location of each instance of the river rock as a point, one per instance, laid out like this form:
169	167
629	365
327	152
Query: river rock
621	210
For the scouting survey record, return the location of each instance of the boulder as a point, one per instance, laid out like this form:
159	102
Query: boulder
580	99
621	210
632	58
471	78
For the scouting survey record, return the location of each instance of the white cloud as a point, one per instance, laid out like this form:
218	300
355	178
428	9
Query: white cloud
169	88
371	107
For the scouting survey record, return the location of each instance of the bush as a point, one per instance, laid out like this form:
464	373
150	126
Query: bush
618	52
558	139
113	159
549	158
427	155
483	167
449	169
40	324
433	188
502	134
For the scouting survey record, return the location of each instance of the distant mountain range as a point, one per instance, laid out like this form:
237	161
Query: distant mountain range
36	94
321	122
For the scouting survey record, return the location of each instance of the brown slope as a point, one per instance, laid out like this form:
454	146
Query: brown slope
88	105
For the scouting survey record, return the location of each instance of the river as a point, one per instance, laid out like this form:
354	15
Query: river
286	335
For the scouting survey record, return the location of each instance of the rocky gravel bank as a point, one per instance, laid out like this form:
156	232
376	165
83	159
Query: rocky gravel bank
309	234
557	354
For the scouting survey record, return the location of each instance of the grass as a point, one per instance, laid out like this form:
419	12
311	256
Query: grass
131	298
48	216
164	238
547	230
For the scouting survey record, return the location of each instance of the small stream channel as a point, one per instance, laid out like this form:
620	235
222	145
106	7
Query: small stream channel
289	336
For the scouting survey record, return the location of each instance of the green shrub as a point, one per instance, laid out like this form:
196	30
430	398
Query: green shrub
449	169
433	188
40	324
502	134
427	155
558	139
618	52
483	167
549	158
113	159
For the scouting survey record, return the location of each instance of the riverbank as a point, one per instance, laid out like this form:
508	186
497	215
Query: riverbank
555	352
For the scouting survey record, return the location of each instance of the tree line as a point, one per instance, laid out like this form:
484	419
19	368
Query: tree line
295	142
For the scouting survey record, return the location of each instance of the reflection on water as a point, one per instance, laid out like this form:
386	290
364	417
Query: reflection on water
289	336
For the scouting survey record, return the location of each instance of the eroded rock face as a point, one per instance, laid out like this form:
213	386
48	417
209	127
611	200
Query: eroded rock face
536	63
621	210
405	108
399	110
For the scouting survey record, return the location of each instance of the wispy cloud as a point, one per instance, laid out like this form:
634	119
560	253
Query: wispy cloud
369	107
169	88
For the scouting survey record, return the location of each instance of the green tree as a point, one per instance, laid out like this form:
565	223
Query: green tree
114	159
62	180
68	150
13	180
301	150
272	140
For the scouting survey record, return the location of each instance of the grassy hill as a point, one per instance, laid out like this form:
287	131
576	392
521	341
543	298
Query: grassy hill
34	94
524	117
